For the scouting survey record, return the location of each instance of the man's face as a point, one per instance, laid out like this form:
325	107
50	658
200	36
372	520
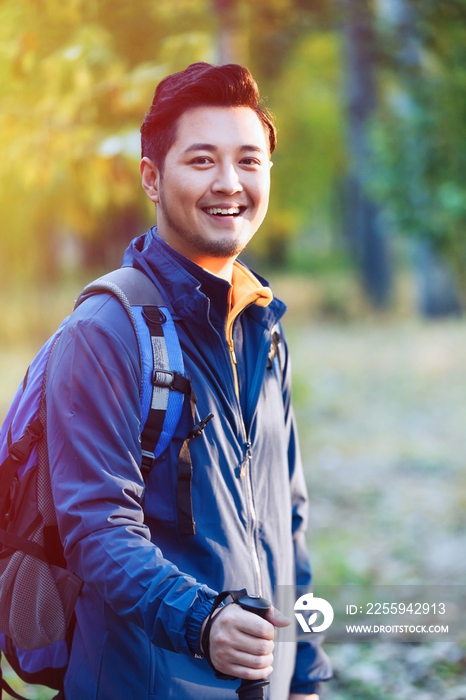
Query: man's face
213	193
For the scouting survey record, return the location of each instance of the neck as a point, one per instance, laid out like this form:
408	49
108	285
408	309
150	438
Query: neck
220	268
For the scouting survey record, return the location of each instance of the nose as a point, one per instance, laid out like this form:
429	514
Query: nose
227	180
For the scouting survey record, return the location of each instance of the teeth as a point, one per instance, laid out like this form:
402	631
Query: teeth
223	212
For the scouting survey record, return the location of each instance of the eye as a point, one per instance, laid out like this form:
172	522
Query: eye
250	161
201	160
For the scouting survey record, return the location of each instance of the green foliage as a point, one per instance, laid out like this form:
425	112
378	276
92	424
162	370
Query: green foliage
310	156
420	130
390	671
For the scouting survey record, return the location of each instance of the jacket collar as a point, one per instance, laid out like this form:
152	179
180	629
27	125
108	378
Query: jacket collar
192	292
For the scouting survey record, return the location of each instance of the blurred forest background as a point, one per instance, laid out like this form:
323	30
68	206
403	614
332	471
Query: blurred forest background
364	240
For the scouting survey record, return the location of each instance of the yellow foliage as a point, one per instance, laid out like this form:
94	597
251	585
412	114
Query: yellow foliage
76	78
66	86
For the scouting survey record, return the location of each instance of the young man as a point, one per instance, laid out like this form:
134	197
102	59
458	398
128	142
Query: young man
148	588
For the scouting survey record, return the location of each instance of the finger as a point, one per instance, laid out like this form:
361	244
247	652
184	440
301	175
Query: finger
249	674
253	645
255	626
236	640
236	619
237	657
277	618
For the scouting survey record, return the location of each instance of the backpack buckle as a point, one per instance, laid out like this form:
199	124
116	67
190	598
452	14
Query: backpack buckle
21	449
163	378
147	462
171	380
199	427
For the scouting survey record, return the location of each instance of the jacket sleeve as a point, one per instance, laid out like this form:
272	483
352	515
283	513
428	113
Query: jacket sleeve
93	414
312	663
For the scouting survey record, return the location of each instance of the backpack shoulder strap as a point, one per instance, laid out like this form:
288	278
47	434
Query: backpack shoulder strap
132	288
275	357
163	383
137	288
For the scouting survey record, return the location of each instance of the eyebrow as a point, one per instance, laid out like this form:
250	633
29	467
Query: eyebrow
211	148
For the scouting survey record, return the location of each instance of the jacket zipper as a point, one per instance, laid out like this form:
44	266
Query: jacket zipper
245	470
245	473
233	364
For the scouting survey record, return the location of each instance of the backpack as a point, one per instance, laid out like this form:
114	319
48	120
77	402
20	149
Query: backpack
37	591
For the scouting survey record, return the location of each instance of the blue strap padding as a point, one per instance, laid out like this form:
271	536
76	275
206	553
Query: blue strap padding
175	360
147	363
175	398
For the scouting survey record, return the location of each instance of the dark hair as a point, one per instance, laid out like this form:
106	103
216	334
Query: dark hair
199	85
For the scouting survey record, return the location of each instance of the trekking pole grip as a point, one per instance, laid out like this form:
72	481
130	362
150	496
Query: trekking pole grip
253	690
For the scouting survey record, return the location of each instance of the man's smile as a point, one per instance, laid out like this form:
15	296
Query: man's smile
224	211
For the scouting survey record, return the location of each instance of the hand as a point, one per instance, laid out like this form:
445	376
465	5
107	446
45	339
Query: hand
241	643
299	696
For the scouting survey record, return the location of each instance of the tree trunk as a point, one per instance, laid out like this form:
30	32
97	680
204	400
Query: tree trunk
362	216
230	44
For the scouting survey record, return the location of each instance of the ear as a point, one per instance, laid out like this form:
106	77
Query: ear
150	177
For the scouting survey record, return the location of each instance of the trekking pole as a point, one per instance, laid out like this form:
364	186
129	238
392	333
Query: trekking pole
253	690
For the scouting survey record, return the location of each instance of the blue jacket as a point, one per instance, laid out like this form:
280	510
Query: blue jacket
148	588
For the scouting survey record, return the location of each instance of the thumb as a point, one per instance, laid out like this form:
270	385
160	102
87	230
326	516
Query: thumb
277	618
